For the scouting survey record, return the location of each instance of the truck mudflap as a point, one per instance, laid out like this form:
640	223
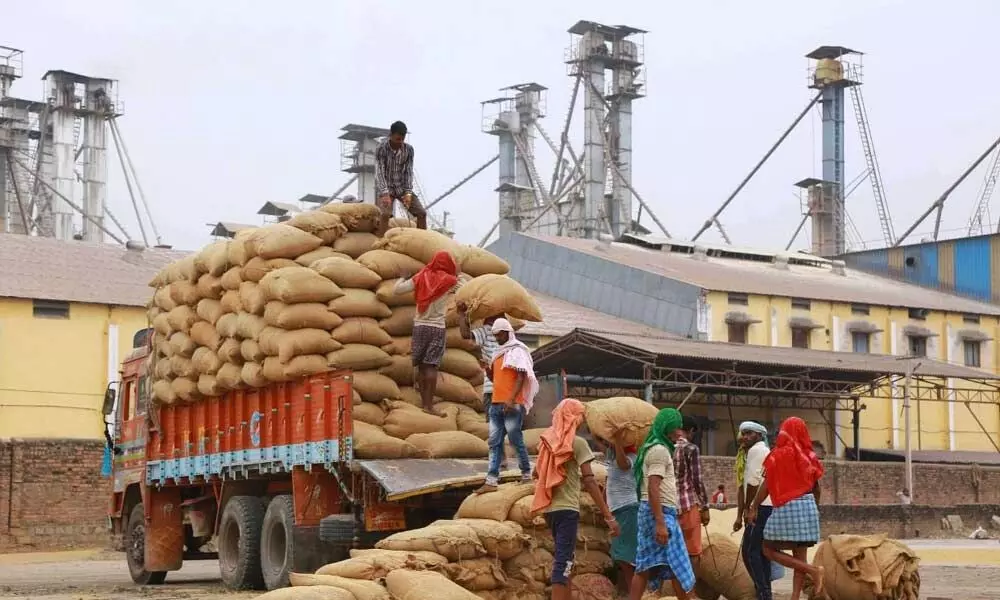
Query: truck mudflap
409	477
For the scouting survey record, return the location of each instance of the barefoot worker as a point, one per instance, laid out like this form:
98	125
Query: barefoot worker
563	462
432	287
661	553
791	479
623	501
394	178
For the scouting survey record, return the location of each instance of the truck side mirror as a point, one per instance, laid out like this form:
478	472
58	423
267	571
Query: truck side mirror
109	401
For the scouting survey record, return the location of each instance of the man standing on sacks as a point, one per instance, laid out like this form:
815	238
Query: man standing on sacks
394	178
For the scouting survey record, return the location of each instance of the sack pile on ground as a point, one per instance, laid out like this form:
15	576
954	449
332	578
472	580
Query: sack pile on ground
867	567
314	294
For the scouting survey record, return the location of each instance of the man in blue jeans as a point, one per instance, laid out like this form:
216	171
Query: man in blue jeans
514	389
750	475
487	342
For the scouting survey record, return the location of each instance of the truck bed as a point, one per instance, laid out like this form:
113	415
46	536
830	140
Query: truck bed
407	477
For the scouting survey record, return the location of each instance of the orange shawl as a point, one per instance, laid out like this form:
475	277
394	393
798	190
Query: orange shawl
555	449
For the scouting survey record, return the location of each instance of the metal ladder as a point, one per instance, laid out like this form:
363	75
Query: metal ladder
981	221
871	161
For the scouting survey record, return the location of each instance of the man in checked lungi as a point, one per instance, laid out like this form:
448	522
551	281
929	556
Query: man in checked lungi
661	554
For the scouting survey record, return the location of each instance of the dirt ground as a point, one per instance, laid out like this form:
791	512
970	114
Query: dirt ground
952	570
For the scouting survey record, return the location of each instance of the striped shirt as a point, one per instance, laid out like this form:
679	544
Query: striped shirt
690	487
393	170
488	346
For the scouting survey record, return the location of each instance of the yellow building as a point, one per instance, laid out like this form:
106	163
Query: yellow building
68	314
733	295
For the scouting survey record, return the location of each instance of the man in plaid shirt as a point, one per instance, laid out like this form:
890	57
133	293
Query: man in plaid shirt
394	178
692	498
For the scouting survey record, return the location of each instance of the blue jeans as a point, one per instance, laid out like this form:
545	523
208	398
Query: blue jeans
762	571
509	424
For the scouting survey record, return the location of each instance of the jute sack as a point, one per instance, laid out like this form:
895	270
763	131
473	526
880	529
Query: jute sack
209	286
376	564
591	586
502	539
184	292
355	243
421	244
249	326
257	267
230	301
399	321
494	505
411	396
347	273
625	416
721	567
228	325
370	441
295	342
205	361
281	241
305	365
268	339
300	316
531	565
374	387
163	300
240	250
520	513
250	351
390	265
326	226
867	567
369	412
297	284
488	295
358	357
232	278
359	303
472	422
399	369
356	216
230	351
402	222
519	589
477	261
450	444
453	541
399	346
307	259
185	388
212	258
386	292
477	574
316	592
454	339
185	269
204	334
182	318
162	368
360	588
361	330
461	363
163	392
161	324
229	377
403	420
252	374
531	439
209	386
455	389
208	309
404	584
591	561
182	344
253	298
273	370
593	538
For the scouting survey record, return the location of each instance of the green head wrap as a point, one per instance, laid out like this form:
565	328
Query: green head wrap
667	421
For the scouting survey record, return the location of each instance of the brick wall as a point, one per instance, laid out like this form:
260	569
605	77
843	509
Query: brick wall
52	494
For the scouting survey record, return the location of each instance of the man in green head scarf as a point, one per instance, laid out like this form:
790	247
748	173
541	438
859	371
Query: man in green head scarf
661	554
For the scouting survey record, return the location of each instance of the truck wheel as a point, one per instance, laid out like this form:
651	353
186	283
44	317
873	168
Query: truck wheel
277	550
338	530
135	550
239	543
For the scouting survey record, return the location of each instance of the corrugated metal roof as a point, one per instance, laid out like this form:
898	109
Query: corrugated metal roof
763	277
50	269
561	317
724	352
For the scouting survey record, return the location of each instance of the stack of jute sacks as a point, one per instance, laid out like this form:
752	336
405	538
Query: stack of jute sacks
313	294
492	550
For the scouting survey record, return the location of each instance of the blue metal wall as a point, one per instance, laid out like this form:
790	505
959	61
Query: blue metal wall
966	266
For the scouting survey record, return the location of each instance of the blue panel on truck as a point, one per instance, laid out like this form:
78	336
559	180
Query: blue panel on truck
231	465
972	267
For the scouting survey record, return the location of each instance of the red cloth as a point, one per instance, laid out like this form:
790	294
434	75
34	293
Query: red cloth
434	280
555	449
792	469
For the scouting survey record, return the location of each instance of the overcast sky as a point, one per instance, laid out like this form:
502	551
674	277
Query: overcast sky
231	104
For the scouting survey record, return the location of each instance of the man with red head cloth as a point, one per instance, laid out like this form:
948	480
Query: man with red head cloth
432	287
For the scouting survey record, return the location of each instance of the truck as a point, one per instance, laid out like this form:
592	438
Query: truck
266	475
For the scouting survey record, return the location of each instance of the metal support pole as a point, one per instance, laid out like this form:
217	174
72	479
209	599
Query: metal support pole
486	237
17	194
340	190
128	184
708	223
564	136
118	223
462	182
856	426
554	201
115	131
938	204
906	421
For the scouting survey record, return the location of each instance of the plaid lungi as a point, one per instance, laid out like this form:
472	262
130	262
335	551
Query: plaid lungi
796	521
671	560
427	345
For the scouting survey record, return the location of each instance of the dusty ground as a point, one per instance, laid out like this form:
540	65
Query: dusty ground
954	570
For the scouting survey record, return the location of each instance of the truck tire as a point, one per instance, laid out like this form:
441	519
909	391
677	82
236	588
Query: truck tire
239	543
277	547
338	530
135	549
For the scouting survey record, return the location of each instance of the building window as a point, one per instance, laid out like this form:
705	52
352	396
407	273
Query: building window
800	337
919	314
860	309
801	303
738	298
738	333
973	357
50	309
974	319
861	342
918	345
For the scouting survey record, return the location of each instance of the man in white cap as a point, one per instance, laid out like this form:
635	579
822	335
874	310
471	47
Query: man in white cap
749	476
514	390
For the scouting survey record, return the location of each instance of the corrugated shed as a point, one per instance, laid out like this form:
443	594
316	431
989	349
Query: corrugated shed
995	268
895	260
559	317
920	264
972	267
946	265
